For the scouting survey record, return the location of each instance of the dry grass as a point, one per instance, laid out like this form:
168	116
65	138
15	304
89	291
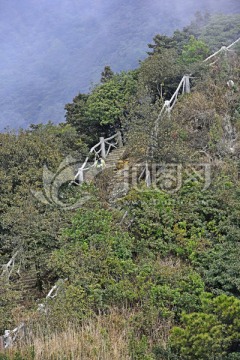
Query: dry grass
105	338
92	341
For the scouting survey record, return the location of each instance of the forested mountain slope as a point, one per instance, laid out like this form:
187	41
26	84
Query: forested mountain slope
156	275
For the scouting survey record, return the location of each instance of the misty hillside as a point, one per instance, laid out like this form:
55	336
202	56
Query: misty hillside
133	255
52	50
141	261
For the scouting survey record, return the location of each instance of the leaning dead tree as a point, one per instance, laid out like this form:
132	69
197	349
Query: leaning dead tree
8	268
10	336
51	295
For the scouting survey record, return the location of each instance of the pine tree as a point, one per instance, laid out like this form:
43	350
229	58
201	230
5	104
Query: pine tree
106	74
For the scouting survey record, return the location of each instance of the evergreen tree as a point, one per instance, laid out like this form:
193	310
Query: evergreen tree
106	74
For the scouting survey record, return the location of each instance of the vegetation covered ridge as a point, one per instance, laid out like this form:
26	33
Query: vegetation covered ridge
155	274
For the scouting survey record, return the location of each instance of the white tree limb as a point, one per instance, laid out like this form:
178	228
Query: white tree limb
7	269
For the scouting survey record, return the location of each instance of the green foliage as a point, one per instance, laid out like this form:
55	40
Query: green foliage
180	38
95	255
8	301
106	102
139	349
106	267
220	30
19	355
26	224
215	30
194	51
160	73
100	112
76	117
106	74
183	224
157	261
138	121
211	333
220	268
162	42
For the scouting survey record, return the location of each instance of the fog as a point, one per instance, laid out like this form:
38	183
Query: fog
53	49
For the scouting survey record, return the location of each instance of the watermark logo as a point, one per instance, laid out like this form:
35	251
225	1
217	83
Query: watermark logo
168	177
171	177
54	185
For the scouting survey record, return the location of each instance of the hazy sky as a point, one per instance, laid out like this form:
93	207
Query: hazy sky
52	49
